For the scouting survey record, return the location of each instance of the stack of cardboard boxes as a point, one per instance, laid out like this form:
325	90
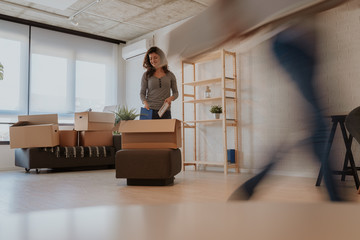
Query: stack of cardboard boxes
150	153
95	128
90	129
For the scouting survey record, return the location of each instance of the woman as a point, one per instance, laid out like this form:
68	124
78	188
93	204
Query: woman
156	83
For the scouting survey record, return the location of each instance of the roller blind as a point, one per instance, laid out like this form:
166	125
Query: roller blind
70	73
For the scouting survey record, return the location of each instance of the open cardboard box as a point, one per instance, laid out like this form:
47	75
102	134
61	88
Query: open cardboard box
94	121
96	138
35	131
162	133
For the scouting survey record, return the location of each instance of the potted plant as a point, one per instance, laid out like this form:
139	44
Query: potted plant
123	113
216	110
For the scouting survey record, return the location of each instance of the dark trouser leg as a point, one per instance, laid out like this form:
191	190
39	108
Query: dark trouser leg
300	66
166	115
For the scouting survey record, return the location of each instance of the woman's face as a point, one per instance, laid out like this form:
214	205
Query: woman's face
154	59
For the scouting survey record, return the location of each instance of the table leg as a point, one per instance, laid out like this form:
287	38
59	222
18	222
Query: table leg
350	155
331	139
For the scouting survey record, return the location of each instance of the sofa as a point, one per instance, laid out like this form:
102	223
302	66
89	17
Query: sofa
68	157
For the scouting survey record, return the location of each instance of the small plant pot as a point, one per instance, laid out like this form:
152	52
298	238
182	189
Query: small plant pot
217	115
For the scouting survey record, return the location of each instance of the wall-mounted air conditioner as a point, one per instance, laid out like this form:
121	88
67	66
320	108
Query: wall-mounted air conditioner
136	48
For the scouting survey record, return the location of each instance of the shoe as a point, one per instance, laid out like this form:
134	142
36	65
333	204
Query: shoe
242	193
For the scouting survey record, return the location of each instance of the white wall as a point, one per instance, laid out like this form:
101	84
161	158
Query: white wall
122	78
134	72
270	106
7	159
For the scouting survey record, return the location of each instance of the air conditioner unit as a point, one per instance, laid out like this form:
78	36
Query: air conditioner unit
136	48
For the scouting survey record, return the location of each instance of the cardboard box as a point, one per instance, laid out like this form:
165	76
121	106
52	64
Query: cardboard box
94	121
95	138
35	131
159	133
68	138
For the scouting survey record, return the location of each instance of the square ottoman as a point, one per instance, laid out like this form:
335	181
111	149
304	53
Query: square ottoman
148	167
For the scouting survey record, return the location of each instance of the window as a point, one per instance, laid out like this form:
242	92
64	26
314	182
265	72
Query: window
63	74
90	86
71	74
49	87
14	58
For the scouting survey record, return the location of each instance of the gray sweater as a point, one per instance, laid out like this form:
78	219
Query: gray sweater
155	90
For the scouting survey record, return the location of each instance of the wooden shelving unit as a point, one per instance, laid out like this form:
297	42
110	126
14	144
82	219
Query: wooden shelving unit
225	99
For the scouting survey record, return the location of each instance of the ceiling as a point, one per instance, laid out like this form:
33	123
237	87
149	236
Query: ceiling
123	20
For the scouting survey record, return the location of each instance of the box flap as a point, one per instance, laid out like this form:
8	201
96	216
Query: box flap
28	125
148	126
20	123
98	116
39	119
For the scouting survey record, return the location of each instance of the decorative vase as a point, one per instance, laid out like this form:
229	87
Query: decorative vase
207	93
217	115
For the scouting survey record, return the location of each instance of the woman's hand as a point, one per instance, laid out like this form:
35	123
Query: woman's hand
146	105
169	100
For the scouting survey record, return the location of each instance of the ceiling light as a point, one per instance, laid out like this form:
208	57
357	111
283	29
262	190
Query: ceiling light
73	21
72	17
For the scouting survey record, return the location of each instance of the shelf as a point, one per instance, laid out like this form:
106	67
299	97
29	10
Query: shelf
203	82
204	58
208	57
230	165
202	100
227	84
230	89
204	163
203	121
211	120
206	82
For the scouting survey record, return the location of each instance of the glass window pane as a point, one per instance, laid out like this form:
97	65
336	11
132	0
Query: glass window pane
9	86
49	84
90	86
12	99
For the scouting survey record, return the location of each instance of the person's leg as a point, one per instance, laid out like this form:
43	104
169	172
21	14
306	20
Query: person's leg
246	190
300	66
155	114
166	115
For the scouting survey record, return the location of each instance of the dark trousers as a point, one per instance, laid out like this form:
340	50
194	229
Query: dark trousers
166	115
300	65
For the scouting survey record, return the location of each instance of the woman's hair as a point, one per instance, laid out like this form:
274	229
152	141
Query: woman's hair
150	70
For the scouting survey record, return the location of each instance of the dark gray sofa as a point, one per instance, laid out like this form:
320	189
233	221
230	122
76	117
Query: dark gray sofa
68	157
